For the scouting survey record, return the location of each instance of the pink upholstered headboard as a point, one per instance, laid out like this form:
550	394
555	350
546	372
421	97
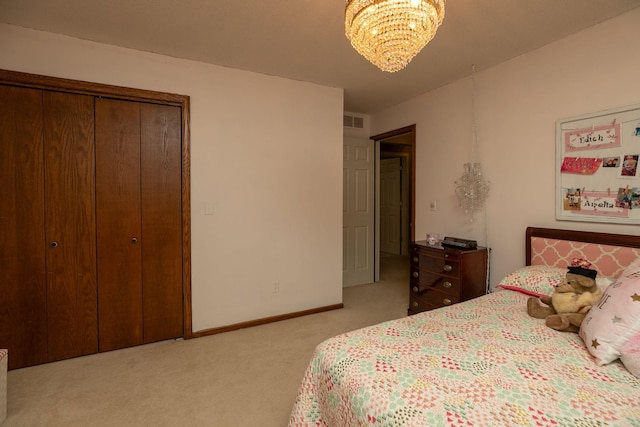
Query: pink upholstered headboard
610	254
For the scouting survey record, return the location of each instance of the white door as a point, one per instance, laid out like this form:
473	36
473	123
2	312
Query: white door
390	205
358	212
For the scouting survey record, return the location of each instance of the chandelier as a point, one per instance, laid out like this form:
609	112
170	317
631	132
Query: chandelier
472	189
389	33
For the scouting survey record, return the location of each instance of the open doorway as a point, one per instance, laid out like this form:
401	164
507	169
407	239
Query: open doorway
395	207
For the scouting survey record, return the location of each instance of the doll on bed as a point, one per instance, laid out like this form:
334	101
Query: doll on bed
565	309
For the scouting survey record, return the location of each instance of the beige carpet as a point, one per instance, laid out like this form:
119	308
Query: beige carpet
243	378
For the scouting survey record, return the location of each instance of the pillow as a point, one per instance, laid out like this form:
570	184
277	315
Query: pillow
604	282
615	319
630	355
535	280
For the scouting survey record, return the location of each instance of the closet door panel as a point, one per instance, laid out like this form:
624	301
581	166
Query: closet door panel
119	229
161	189
23	293
70	229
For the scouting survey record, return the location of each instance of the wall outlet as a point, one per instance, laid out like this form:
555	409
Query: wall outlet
275	288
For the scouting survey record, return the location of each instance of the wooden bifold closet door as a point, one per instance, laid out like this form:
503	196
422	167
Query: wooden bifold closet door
70	225
92	205
138	182
48	306
23	297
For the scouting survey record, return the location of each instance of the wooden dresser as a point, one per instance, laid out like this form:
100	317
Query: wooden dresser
444	276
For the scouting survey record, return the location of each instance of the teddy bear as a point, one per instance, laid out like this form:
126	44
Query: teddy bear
567	306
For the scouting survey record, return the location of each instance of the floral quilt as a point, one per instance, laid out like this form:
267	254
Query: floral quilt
484	362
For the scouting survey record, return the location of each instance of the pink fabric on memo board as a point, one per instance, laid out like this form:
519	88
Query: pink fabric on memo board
609	261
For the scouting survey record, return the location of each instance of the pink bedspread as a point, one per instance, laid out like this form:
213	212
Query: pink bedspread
480	363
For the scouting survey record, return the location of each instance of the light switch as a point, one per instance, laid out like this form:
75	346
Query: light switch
208	208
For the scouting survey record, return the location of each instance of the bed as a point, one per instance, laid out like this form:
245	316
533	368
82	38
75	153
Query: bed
485	362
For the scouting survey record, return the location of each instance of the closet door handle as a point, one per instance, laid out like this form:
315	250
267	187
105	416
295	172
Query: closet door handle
134	240
53	244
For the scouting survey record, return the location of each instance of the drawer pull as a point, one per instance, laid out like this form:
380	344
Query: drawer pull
415	275
416	289
447	285
415	259
415	304
447	268
446	301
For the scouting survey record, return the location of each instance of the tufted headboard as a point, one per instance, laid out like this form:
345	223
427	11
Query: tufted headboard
610	254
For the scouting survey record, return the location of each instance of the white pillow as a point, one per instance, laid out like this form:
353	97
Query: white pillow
604	282
615	319
630	355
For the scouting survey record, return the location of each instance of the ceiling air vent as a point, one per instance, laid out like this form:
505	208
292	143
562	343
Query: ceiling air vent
353	122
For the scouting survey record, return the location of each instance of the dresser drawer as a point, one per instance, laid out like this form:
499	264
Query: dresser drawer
445	265
431	299
428	281
437	265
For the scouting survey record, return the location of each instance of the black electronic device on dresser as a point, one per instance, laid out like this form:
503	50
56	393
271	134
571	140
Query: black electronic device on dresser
445	275
456	242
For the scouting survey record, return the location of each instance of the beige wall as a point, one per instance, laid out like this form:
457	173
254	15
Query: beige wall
266	153
518	103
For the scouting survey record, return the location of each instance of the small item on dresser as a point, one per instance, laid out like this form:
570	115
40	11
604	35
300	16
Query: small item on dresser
433	239
456	242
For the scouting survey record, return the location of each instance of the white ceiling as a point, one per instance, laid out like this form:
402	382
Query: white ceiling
304	39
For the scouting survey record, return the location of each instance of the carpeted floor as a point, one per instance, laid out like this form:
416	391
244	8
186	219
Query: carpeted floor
243	378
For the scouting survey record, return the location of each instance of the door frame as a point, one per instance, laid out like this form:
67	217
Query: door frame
403	136
20	79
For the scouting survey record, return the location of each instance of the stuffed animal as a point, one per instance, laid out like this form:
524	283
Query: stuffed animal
565	309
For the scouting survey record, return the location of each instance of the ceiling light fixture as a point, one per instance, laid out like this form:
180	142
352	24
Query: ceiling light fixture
389	33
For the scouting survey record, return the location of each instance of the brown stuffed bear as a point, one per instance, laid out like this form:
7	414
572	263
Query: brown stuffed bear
571	300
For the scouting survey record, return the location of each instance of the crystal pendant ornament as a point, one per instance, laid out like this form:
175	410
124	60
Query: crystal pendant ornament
472	189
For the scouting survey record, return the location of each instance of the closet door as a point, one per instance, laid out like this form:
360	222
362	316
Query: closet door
161	165
119	223
70	229
23	292
139	204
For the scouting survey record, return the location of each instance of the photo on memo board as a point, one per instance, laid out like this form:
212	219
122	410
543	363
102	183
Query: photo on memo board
597	176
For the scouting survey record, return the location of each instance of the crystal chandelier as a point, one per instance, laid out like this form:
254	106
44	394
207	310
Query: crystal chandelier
389	33
472	189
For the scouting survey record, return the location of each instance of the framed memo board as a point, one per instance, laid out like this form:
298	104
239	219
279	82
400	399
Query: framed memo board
597	170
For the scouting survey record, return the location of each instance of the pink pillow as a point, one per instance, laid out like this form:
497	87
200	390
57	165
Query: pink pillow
615	319
630	355
535	280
